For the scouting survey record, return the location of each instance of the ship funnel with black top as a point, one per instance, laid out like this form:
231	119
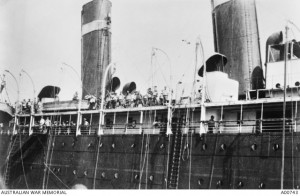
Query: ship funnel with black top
95	45
236	36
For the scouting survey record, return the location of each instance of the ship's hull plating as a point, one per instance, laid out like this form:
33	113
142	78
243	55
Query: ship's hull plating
226	161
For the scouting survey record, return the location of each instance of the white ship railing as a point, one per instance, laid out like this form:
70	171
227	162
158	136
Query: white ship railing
221	127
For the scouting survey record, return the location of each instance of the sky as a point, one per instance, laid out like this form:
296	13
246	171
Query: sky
38	36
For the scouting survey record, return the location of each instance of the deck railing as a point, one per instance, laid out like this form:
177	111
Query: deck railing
244	126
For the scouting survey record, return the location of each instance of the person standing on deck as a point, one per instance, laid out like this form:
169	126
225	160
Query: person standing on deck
165	94
211	124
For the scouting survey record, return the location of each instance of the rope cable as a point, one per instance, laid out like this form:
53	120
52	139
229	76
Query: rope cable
56	176
23	163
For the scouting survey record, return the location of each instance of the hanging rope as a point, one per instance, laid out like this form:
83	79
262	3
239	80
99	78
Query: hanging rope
50	158
141	157
190	166
47	157
144	161
168	160
147	158
7	160
22	162
56	176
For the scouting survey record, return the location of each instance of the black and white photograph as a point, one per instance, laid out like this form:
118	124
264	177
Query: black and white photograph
149	94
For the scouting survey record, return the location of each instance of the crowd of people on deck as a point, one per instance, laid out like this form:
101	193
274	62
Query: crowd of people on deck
128	99
29	106
136	99
45	124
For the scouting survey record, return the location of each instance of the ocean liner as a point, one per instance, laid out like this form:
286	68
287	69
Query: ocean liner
239	131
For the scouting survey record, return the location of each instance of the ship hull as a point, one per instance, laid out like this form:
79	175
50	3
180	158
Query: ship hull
144	161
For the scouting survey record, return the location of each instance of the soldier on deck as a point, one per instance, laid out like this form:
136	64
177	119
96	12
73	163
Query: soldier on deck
24	108
211	124
133	100
75	96
150	96
155	95
48	124
42	124
28	106
121	99
165	94
128	99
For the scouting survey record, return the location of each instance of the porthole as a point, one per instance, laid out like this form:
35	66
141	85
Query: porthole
276	147
261	185
240	184
151	178
253	147
223	147
298	147
204	147
200	181
219	183
90	145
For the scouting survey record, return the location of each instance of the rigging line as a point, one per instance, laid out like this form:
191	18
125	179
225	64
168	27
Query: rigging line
56	176
52	144
152	74
294	26
147	81
160	66
141	157
168	160
213	162
147	151
8	95
293	167
144	161
46	161
191	146
11	148
96	165
8	157
23	163
147	158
